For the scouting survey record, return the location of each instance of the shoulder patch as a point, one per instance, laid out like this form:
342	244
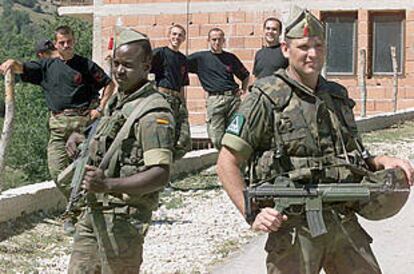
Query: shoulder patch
236	124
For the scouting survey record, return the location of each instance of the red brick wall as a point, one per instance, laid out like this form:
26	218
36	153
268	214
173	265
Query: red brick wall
243	33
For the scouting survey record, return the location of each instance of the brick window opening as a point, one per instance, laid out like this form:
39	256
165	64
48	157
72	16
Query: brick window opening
386	30
341	42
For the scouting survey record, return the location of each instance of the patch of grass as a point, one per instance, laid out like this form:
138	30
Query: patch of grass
226	247
173	202
398	132
196	182
13	178
26	243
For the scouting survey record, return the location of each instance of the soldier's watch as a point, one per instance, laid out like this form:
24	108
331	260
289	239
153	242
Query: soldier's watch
99	109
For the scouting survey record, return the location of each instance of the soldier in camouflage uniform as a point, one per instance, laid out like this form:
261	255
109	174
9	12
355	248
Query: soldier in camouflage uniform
127	191
298	124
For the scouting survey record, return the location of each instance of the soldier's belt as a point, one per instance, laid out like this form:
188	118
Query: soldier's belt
226	92
170	91
72	112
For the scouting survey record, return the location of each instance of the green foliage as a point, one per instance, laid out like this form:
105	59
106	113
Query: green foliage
27	151
81	29
26	158
27	3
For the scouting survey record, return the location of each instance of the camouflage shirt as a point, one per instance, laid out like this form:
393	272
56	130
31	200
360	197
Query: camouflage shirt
308	128
150	140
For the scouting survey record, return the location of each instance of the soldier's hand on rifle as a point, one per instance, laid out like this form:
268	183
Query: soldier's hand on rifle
384	162
95	114
268	220
72	143
94	180
11	64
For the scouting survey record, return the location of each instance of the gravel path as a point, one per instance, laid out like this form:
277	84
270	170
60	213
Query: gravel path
193	230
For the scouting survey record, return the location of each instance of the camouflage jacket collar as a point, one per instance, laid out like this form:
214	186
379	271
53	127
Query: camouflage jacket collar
121	99
281	73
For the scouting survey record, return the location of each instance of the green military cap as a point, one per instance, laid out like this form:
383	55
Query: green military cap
128	35
304	24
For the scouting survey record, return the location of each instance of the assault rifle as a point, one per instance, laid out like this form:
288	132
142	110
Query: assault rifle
99	222
79	168
282	194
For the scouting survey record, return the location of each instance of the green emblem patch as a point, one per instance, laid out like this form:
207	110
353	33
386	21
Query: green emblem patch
236	124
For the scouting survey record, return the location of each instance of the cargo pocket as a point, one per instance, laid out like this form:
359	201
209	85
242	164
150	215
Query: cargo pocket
126	235
356	233
295	134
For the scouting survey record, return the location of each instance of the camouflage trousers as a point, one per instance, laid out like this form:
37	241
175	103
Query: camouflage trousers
344	249
182	128
220	109
94	252
60	128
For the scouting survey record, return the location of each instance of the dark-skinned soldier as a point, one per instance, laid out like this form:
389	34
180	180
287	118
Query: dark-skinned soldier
127	190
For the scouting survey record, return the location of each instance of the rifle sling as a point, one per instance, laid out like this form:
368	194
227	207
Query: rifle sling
140	110
108	239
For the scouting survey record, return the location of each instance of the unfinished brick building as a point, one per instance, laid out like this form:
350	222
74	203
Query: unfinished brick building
352	26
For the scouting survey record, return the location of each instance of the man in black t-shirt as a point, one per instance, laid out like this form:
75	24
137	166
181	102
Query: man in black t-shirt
71	85
216	69
270	58
170	68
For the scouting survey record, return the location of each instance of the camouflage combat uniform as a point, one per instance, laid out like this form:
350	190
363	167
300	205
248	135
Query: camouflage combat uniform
60	128
286	128
123	218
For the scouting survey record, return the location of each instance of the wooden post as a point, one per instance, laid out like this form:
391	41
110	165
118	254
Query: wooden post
361	81
8	122
395	78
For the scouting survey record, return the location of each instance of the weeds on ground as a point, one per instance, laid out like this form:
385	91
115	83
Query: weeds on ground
399	132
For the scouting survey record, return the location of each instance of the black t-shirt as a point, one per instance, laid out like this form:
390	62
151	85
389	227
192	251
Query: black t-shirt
170	68
216	71
67	85
268	60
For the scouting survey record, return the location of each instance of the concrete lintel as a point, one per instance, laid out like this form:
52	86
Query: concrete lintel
84	12
384	120
233	6
45	196
28	199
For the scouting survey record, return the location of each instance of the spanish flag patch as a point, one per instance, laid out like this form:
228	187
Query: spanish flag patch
162	121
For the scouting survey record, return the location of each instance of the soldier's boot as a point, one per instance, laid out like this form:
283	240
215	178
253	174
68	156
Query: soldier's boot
69	221
69	227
